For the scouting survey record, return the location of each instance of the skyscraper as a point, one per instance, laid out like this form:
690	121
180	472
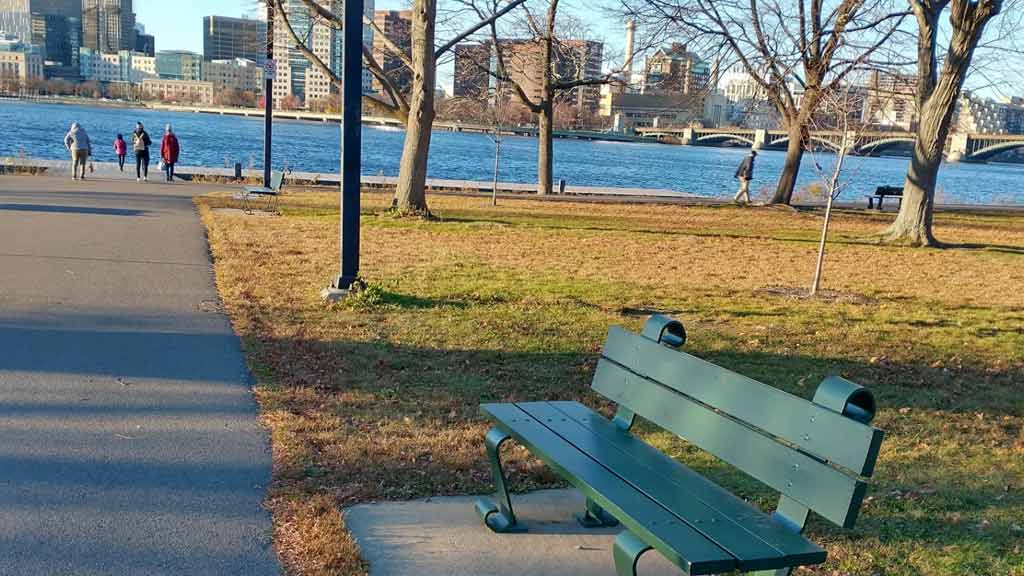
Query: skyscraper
16	15
397	27
473	63
108	25
295	75
16	19
227	38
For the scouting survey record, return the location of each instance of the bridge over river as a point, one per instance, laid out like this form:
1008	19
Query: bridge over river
959	147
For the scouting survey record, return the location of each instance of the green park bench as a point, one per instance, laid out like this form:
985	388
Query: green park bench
816	454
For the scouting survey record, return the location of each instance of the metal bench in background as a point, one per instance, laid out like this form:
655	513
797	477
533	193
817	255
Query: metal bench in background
882	192
252	193
815	454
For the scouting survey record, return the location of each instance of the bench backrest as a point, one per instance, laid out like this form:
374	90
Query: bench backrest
276	180
815	453
889	191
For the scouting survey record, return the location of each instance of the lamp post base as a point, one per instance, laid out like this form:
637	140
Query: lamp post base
332	295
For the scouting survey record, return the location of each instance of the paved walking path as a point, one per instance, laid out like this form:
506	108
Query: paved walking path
128	434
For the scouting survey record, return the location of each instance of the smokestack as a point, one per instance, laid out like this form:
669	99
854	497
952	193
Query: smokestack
630	41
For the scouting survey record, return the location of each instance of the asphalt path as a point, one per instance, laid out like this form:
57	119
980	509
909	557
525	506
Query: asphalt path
128	435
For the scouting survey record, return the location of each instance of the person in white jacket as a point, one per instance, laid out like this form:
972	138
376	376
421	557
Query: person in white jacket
77	142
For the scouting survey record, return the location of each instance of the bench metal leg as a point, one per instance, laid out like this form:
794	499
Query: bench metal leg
627	551
498	518
595	516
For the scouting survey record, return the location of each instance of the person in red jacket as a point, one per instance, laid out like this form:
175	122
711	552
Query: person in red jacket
169	151
121	149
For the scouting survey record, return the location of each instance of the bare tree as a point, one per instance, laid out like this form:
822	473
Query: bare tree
796	50
842	110
937	93
415	108
550	62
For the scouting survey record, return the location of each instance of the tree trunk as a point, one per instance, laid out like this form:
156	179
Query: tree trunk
545	148
937	96
913	224
791	167
410	193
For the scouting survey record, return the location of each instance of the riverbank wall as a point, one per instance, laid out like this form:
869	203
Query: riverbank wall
386	184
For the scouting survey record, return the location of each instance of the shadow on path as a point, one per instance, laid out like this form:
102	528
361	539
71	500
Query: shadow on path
72	210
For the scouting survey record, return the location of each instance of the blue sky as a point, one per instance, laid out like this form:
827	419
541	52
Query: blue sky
178	25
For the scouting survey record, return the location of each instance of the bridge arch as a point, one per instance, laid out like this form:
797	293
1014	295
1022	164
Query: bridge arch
875	146
986	153
784	142
724	138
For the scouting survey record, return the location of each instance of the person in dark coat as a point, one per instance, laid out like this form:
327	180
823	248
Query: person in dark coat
169	151
745	173
140	144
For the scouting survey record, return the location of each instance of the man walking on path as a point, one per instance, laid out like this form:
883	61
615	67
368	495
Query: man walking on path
745	173
77	142
141	143
169	151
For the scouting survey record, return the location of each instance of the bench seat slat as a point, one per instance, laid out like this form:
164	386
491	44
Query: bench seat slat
676	540
757	542
669	471
817	485
815	429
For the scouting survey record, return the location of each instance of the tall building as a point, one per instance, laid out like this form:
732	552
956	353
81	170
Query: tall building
144	43
51	35
227	38
472	70
676	71
66	8
296	76
108	25
16	19
179	65
574	60
16	15
396	26
891	101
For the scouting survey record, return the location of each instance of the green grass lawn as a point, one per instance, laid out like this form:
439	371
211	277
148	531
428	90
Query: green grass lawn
377	398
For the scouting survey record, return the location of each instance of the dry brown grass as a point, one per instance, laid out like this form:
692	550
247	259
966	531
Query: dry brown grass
377	398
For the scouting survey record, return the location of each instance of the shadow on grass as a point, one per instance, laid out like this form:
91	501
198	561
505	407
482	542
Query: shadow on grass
381	420
1002	248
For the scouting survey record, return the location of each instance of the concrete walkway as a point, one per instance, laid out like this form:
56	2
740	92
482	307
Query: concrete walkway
128	434
445	537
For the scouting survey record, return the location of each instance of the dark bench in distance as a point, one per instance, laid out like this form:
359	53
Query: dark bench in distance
816	454
882	192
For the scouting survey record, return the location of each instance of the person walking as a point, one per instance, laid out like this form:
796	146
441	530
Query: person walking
745	173
169	151
77	142
121	149
141	143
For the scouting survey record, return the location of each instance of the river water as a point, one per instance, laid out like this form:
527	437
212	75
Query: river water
36	130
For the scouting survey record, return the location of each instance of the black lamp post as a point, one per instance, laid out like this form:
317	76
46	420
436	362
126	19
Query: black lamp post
351	145
269	72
